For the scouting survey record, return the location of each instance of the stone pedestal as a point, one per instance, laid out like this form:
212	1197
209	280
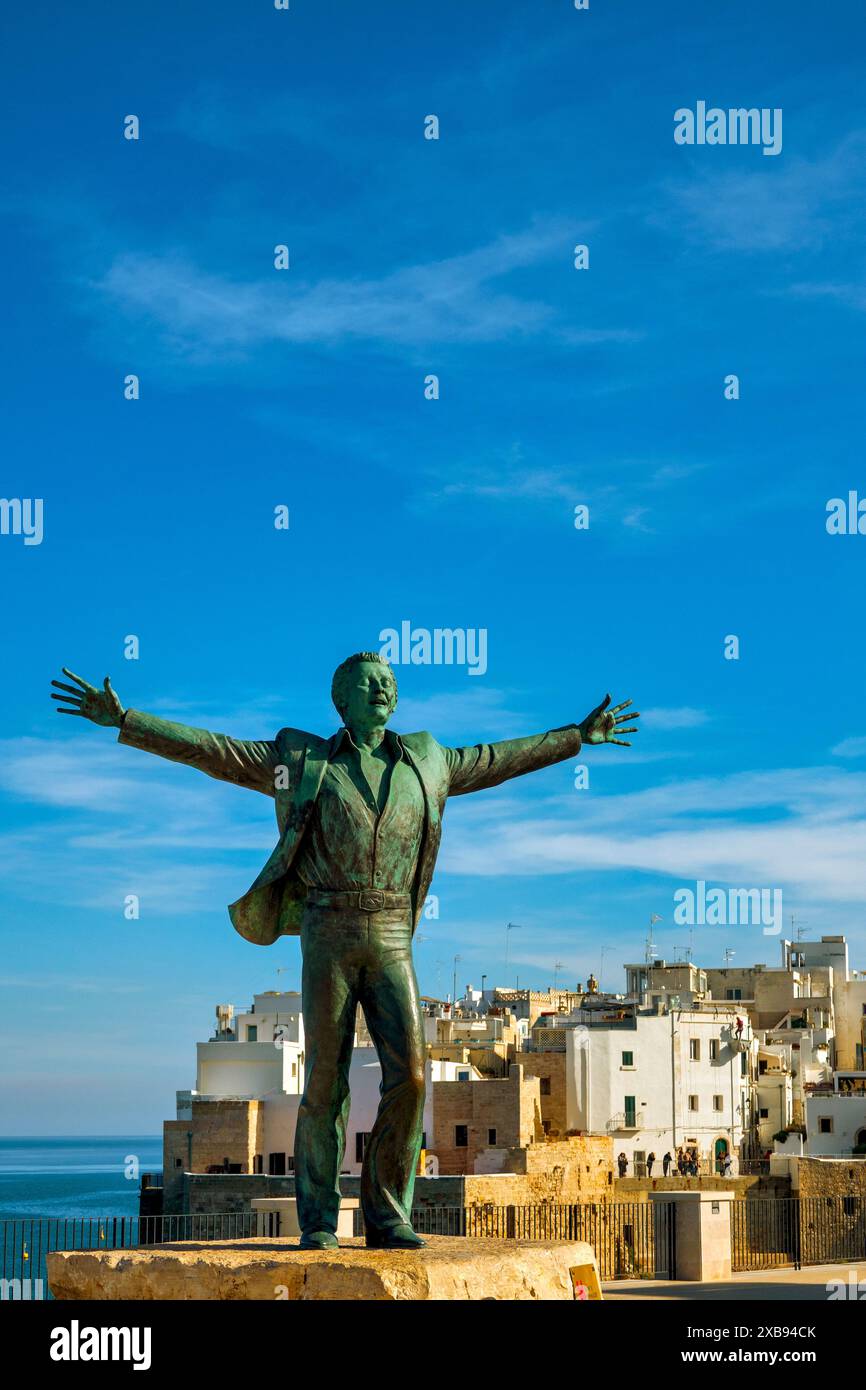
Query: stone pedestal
703	1233
451	1267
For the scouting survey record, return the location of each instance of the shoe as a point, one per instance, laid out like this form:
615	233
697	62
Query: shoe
318	1240
395	1238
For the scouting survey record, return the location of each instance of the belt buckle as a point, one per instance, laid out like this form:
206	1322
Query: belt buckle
371	900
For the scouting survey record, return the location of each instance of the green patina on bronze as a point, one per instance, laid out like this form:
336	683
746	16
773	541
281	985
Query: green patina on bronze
360	821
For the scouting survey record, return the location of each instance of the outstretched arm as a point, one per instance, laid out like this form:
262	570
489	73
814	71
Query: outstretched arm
246	762
488	764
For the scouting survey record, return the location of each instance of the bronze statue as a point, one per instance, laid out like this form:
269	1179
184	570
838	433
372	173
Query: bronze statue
360	819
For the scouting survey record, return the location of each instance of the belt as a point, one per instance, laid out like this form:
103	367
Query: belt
364	899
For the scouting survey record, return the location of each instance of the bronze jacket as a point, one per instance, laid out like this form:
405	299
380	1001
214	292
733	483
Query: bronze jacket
291	767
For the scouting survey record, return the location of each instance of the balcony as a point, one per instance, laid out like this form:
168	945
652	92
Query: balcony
625	1122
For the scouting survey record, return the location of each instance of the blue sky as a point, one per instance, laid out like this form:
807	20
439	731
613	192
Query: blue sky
305	388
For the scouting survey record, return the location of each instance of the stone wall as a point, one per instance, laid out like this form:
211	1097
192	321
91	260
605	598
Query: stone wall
176	1161
549	1067
219	1131
223	1130
582	1177
832	1209
578	1169
757	1185
831	1177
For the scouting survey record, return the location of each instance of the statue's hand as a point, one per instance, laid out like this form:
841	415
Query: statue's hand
100	706
602	723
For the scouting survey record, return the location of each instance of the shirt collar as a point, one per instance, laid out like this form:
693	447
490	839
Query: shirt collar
392	740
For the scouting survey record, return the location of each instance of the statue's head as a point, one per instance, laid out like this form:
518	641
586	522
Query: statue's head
364	690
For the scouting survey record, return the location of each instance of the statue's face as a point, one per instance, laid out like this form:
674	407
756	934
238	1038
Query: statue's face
372	696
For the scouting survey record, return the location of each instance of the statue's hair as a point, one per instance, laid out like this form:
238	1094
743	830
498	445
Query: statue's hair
339	693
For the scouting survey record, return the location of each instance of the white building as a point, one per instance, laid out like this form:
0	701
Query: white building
254	1053
658	1080
836	1117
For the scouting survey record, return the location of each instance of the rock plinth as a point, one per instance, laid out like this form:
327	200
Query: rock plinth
451	1267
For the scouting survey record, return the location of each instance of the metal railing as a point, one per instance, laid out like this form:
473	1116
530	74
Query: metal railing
631	1240
25	1242
767	1232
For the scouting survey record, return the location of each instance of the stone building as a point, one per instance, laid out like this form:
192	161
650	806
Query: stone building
471	1117
549	1067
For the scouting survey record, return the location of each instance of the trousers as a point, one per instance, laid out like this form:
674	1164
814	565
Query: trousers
353	957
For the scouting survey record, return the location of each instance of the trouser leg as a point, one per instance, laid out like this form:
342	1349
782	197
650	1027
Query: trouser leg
328	1001
389	997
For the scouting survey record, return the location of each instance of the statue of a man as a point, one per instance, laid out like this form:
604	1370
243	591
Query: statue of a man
360	819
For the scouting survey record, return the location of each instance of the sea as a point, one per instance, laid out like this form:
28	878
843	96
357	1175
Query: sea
75	1176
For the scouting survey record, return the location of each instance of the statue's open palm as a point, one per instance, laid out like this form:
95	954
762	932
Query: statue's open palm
601	724
87	701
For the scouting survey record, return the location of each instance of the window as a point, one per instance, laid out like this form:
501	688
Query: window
733	994
714	1050
695	1049
178	1163
361	1138
693	1102
491	1137
744	1064
463	1076
461	1136
628	1059
630	1108
825	1124
277	1165
545	1085
718	1102
258	1163
252	1032
764	1114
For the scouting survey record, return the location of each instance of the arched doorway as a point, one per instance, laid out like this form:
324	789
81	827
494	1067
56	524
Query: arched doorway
720	1153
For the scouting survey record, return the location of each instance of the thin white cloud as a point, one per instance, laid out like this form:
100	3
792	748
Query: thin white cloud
850	748
205	315
795	205
803	830
472	714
